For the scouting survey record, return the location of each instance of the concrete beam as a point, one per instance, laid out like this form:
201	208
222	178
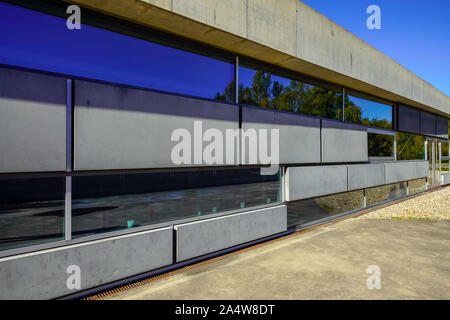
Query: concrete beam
288	34
314	181
43	274
201	237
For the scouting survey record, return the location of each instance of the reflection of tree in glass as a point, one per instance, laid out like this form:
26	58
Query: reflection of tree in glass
410	146
298	97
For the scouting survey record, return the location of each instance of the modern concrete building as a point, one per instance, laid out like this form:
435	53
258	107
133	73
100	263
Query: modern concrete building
90	120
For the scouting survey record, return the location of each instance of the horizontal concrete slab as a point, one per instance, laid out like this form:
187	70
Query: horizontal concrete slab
365	175
419	169
405	170
124	128
32	122
343	142
299	136
198	238
313	181
43	274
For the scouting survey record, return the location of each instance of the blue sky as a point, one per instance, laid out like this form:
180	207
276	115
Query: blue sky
415	33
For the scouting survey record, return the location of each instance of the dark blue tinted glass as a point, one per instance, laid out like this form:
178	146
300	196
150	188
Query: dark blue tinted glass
115	202
40	41
31	211
260	88
367	112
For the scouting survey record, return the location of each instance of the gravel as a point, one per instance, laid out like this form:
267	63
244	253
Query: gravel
430	206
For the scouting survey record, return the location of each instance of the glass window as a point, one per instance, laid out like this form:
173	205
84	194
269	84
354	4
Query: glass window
385	193
367	112
36	40
417	185
115	202
31	211
410	146
304	211
263	89
380	145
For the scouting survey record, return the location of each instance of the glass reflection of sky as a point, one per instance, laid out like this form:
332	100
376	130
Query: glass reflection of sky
35	40
372	110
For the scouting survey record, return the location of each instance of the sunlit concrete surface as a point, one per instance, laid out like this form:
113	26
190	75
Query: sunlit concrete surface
327	263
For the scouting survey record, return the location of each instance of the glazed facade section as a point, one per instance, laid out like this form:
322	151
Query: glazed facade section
87	169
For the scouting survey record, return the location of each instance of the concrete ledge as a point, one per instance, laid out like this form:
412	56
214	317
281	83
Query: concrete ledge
299	135
42	275
313	181
198	238
343	142
365	175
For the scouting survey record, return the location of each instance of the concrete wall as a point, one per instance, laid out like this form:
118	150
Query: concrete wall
405	170
42	275
365	176
299	135
288	34
445	179
419	169
123	128
32	122
314	181
343	142
206	236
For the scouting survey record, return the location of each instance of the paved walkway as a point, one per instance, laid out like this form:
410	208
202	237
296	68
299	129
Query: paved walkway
327	263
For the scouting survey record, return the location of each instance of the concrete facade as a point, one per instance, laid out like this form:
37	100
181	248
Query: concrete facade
405	170
343	142
198	238
299	135
365	176
32	122
287	34
112	123
43	274
315	181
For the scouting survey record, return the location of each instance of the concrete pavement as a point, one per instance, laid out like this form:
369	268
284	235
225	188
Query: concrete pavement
326	263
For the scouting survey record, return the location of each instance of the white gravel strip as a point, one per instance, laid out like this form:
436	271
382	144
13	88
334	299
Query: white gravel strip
431	206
